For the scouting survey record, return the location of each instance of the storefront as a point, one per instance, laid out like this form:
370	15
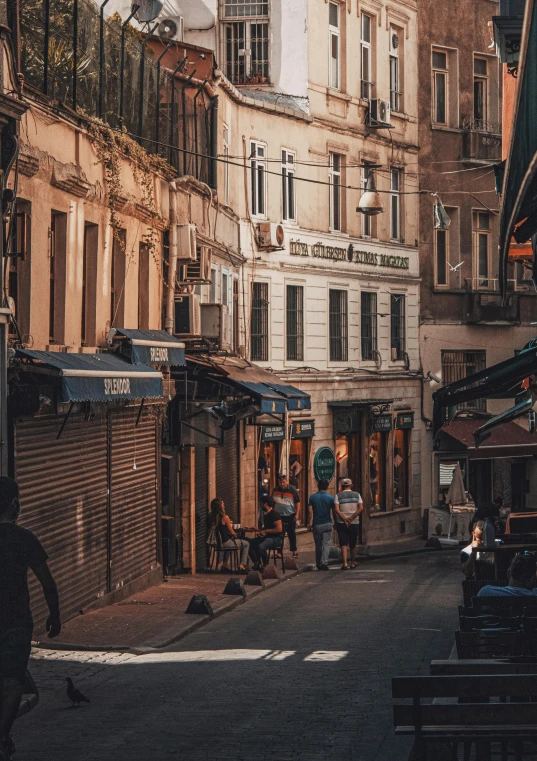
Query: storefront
302	432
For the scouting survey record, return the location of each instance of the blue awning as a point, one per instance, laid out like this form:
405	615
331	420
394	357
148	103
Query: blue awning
296	399
95	377
269	400
149	347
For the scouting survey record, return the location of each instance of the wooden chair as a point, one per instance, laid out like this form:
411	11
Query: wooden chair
484	605
488	622
471	587
485	713
489	644
217	553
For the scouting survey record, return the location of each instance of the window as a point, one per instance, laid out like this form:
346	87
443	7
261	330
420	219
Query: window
395	75
58	261
117	279
225	288
225	146
395	204
246	42
143	286
482	249
338	325
335	191
213	286
295	323
368	329
440	87
367	219
258	169
481	90
397	326
333	31
19	265
366	26
288	185
442	257
457	365
259	330
88	331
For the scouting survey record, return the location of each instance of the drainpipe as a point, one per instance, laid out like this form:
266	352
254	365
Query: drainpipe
213	142
172	264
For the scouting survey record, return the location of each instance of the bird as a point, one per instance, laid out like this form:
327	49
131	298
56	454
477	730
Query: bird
74	695
456	267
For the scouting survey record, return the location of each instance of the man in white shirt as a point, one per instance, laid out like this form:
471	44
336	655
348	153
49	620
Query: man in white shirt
348	509
479	565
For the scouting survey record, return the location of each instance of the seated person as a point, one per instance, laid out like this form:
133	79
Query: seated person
269	537
522	579
222	524
479	565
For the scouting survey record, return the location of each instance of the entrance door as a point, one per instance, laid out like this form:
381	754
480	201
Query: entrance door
201	501
349	460
480	481
298	473
377	470
518	487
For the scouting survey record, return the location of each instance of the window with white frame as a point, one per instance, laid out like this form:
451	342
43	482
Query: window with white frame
338	322
335	49
213	286
224	299
397	326
395	70
260	323
368	325
288	185
225	146
245	41
482	249
295	323
258	178
367	220
334	174
440	87
366	86
395	203
481	94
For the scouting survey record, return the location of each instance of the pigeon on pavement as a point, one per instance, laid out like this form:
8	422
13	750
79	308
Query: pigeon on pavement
74	695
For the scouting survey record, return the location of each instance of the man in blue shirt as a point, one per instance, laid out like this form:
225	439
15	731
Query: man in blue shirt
522	579
320	508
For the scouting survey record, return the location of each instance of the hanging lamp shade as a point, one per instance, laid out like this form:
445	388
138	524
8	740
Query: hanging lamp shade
441	217
370	203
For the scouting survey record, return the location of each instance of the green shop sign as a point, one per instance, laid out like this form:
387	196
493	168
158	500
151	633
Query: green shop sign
324	464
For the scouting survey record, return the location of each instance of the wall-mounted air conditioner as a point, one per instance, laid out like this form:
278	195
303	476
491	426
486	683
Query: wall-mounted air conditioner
379	113
172	28
216	325
187	317
199	271
186	243
270	236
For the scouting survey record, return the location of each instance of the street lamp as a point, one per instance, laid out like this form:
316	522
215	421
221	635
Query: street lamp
370	203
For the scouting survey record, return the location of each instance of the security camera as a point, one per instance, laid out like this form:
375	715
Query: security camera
434	377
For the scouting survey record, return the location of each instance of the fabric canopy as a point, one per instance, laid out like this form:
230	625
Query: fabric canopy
95	377
506	440
296	399
149	347
483	433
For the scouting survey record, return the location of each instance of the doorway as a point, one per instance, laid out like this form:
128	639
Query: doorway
518	487
480	481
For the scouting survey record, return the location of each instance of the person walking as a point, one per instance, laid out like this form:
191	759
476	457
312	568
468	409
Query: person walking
286	503
19	551
348	508
320	510
226	535
269	537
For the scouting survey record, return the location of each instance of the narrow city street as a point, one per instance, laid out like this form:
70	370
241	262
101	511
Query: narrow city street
300	672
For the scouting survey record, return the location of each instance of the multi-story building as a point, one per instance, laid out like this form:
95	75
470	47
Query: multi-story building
465	326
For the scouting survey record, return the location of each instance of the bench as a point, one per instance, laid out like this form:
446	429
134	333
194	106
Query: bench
489	621
487	714
489	644
453	667
471	587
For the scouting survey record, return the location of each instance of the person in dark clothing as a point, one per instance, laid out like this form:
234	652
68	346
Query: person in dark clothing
320	520
226	534
269	537
286	502
19	551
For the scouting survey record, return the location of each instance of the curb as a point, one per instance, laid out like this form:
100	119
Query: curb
196	624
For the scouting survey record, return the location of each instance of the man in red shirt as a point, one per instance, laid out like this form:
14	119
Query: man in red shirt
286	502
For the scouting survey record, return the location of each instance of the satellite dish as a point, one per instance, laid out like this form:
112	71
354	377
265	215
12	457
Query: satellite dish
148	10
167	29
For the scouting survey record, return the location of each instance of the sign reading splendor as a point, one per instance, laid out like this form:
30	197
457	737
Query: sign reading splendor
350	254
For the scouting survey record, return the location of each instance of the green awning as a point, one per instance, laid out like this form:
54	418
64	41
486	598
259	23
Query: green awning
481	434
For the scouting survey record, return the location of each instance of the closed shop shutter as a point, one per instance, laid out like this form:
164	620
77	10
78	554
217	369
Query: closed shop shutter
63	485
134	454
201	500
227	474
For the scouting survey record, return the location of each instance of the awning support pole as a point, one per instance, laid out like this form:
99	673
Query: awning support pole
139	413
66	418
204	433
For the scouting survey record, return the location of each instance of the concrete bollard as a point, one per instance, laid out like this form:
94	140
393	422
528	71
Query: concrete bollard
271	572
200	604
254	579
235	587
290	564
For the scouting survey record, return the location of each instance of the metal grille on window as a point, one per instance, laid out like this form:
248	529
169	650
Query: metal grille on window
397	325
259	330
338	325
295	322
457	365
246	42
369	325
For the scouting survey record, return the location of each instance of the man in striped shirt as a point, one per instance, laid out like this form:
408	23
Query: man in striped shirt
286	501
348	508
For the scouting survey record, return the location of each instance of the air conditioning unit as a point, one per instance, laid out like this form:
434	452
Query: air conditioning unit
216	325
270	236
187	317
199	271
379	113
186	243
172	28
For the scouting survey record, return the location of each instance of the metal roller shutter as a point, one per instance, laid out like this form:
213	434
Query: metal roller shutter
201	500
227	474
64	485
133	494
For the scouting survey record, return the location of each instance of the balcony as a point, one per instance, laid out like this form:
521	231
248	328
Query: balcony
508	31
484	303
481	142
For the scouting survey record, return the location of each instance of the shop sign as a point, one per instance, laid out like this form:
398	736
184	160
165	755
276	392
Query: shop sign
405	420
273	433
350	254
324	464
382	423
303	429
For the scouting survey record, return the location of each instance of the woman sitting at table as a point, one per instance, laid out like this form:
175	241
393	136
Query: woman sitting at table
227	537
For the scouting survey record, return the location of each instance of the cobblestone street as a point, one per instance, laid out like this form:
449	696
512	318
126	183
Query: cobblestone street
301	672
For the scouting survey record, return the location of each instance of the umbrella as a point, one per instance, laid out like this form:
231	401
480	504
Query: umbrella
457	493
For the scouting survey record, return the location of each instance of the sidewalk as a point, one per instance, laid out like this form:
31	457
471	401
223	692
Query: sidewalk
156	617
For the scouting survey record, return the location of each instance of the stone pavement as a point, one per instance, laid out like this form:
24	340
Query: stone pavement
302	672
